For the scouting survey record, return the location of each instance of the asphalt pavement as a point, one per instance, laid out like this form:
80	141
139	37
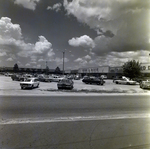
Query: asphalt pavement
91	122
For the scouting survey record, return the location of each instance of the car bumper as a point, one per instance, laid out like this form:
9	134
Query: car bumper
26	85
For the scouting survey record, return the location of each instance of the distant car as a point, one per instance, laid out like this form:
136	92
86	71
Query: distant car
77	77
30	83
145	84
17	77
56	78
117	78
103	76
125	80
65	84
44	78
93	80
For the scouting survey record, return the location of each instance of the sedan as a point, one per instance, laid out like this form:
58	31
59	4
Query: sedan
30	83
125	80
145	84
93	80
65	84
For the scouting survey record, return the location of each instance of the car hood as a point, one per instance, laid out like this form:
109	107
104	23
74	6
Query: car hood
26	82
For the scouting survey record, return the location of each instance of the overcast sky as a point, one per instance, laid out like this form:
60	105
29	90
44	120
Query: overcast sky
91	32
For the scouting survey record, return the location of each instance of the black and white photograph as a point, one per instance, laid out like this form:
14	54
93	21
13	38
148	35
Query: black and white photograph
74	74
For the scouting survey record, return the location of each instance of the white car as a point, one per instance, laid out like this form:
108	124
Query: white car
30	83
56	78
145	84
125	80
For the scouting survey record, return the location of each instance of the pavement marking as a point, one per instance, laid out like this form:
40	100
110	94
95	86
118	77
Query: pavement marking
73	118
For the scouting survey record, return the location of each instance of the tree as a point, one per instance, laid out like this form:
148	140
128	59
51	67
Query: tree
132	69
16	68
57	70
47	70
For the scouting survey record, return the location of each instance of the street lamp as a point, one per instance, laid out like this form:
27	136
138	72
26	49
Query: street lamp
63	61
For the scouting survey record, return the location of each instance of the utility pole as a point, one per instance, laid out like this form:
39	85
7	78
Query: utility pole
46	64
63	62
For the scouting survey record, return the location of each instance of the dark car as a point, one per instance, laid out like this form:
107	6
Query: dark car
65	84
93	80
17	77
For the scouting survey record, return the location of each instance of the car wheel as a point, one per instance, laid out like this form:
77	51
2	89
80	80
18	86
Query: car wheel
22	88
128	83
117	83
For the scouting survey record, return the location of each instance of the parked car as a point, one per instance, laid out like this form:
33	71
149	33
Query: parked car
103	76
117	78
17	77
56	78
145	84
44	78
125	80
65	84
93	80
30	83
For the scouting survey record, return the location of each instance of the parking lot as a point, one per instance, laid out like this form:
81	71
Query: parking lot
9	87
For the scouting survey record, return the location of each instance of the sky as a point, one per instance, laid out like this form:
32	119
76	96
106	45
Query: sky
91	33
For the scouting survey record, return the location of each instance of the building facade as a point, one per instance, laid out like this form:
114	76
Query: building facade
145	69
108	71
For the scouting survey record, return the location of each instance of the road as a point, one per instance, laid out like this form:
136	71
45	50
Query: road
74	122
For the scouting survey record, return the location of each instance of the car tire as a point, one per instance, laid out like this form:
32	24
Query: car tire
128	83
117	83
22	88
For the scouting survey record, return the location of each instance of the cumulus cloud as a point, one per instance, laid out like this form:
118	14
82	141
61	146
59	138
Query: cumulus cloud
87	57
121	25
29	4
8	30
13	46
56	7
84	61
84	41
42	45
9	59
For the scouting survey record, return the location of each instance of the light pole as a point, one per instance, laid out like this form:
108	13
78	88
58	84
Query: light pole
63	61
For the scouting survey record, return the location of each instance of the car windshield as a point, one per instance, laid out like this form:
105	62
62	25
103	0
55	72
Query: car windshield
65	81
28	80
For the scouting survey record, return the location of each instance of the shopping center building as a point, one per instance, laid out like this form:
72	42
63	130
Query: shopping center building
108	71
145	69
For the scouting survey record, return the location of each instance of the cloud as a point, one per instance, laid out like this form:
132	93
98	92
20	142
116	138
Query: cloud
121	25
42	45
13	45
9	59
3	54
84	61
27	65
87	57
40	60
29	4
84	41
9	31
56	7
